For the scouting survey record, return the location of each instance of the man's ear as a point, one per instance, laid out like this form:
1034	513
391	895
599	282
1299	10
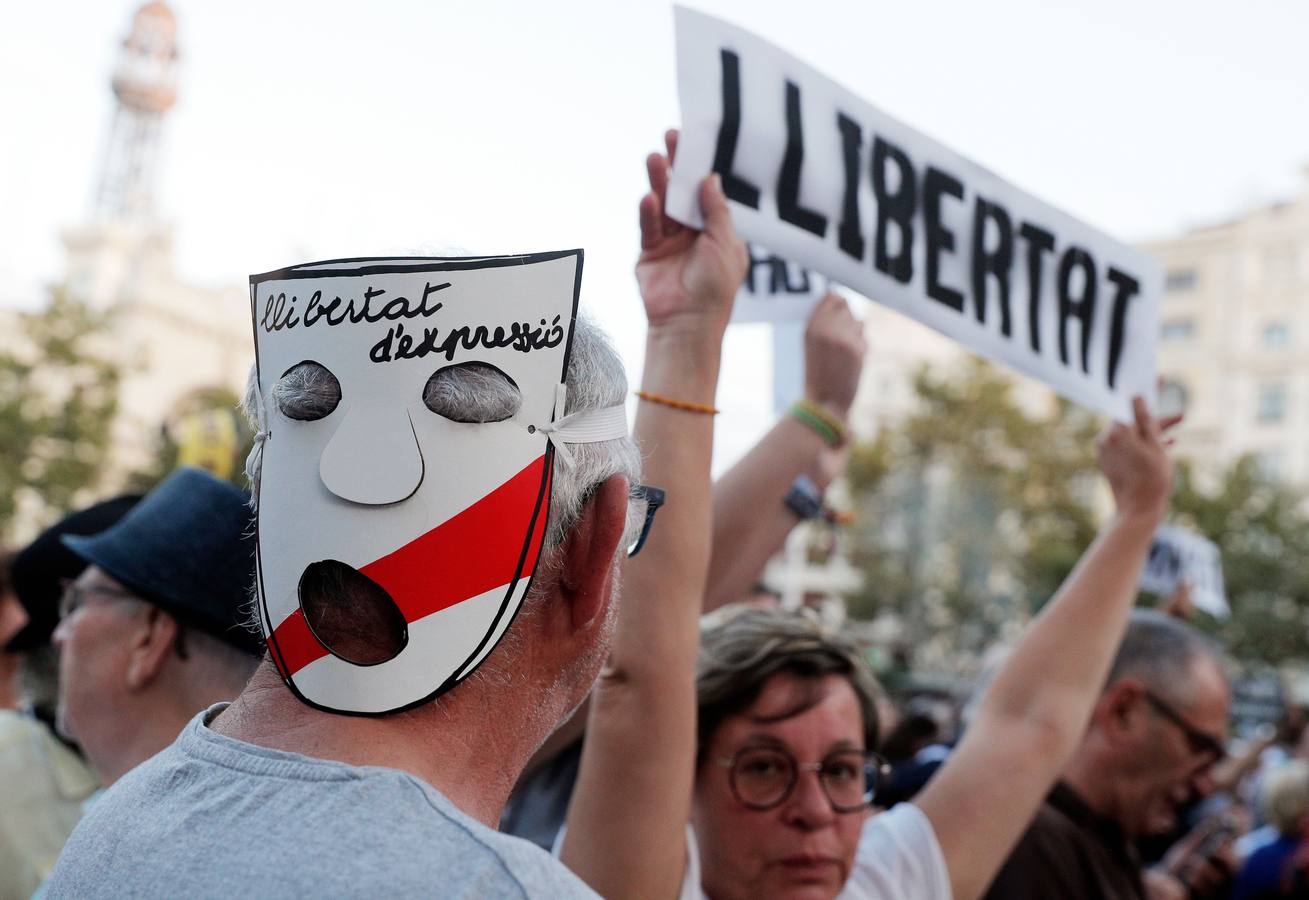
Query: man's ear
152	644
588	563
1118	711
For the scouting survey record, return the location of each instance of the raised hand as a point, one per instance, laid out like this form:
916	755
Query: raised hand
834	349
687	277
1134	459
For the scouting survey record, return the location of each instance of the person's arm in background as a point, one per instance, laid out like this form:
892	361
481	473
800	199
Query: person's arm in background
626	826
751	521
1032	717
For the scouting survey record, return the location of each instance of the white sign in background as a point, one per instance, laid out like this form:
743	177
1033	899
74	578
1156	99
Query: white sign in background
823	178
1178	554
776	290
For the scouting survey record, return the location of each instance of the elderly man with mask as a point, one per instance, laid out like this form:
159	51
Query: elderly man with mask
442	478
1155	733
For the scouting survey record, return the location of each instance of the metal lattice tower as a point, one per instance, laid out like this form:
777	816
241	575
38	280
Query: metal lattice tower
145	88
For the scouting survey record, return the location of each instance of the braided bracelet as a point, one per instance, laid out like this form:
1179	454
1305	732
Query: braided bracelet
685	405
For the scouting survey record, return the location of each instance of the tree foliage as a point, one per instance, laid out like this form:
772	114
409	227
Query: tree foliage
58	397
974	507
1261	529
207	424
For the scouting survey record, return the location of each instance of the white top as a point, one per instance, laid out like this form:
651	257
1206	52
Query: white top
898	859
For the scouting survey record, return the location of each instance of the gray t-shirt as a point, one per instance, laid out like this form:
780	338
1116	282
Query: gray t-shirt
210	816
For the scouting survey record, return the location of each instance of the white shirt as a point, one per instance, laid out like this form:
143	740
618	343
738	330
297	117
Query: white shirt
898	859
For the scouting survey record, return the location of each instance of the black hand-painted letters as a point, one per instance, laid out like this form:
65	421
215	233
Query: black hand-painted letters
1003	257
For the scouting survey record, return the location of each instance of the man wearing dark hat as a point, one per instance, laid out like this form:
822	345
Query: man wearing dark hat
43	780
151	633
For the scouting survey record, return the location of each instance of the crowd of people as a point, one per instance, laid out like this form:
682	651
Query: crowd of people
642	729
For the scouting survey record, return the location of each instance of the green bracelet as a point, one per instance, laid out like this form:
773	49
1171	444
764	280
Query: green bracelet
823	429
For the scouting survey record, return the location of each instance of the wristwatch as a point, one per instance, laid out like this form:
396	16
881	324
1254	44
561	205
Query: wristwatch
804	499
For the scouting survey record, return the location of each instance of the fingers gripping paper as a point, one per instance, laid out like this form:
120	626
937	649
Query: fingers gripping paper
397	537
829	182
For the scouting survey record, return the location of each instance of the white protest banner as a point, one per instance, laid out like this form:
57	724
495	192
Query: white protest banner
826	180
1178	554
776	290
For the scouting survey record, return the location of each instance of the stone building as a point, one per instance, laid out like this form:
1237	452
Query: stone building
174	341
1234	338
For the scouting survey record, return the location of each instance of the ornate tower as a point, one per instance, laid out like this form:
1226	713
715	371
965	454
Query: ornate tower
145	87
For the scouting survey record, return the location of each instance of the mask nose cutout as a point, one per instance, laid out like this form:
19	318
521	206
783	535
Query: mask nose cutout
373	458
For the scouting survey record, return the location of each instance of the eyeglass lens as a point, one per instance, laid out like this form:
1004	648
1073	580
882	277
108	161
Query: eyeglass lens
765	777
1197	741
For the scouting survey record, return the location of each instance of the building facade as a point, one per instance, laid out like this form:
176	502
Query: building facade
1234	339
173	340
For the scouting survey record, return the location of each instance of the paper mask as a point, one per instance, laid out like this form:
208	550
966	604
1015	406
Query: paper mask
395	544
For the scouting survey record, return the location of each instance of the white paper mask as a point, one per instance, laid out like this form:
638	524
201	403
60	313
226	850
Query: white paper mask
395	544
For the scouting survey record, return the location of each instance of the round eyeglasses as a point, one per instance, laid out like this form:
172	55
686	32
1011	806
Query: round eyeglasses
74	596
763	777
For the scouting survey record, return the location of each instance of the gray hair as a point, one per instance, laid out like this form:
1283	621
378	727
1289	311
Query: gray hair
740	649
478	393
1161	651
1285	796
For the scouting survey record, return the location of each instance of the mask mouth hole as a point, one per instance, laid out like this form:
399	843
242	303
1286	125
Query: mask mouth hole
351	615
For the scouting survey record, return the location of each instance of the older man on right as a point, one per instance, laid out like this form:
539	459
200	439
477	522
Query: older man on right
1155	734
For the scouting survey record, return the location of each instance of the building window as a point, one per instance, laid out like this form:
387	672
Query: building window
1180	280
1173	397
1276	334
1177	330
1272	403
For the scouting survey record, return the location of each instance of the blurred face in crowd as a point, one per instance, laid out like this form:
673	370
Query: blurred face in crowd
1174	746
802	847
12	617
97	619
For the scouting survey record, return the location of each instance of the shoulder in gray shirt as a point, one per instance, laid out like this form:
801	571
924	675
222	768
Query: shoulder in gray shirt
210	816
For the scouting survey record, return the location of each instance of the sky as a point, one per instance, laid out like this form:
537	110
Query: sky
312	130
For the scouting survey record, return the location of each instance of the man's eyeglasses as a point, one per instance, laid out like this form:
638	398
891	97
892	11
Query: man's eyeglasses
75	596
763	777
1199	743
654	498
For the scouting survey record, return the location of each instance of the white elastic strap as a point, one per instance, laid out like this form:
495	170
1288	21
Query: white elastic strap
587	426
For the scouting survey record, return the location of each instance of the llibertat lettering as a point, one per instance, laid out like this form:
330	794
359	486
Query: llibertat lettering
826	180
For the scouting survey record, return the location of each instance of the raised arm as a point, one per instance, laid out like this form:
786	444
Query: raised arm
750	520
1032	717
626	824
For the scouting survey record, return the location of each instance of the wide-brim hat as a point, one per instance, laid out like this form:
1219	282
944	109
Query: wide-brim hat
187	548
37	572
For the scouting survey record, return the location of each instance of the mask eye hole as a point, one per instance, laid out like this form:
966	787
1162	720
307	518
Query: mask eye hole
307	391
472	392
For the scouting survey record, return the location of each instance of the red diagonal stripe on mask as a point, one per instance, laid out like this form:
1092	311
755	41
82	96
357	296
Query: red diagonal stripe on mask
463	557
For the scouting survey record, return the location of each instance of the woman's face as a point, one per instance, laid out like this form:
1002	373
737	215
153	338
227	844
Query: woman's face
801	848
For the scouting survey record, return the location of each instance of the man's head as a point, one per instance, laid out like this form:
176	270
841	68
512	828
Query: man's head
787	713
151	631
1159	725
37	575
561	629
